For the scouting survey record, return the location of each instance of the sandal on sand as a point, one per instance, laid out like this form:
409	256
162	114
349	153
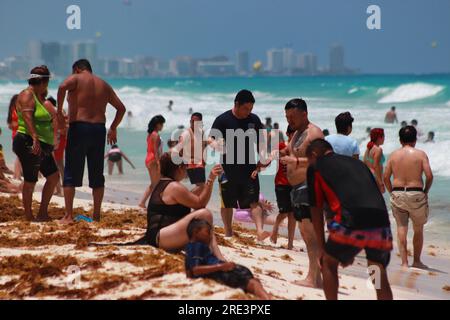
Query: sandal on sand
80	217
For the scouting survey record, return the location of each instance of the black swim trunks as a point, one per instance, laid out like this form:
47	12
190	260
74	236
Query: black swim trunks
199	254
300	202
33	164
196	175
85	141
283	194
239	193
115	157
239	277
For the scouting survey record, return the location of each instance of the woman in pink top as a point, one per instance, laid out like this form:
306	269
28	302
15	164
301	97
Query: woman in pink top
154	151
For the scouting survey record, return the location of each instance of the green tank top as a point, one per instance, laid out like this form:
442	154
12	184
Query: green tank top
42	123
372	161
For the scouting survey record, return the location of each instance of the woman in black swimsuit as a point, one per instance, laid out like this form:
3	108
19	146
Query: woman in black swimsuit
169	208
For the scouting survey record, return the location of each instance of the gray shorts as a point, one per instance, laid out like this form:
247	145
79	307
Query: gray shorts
300	202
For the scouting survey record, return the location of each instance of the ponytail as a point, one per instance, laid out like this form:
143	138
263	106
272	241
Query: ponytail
375	134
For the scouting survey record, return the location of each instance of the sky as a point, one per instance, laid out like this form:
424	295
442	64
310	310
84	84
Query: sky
202	28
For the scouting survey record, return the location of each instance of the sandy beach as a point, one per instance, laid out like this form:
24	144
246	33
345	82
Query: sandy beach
53	261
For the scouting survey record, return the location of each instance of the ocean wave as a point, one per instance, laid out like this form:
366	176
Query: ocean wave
7	90
383	90
187	83
438	156
129	89
412	92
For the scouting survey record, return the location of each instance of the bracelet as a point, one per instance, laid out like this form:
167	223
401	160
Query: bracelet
209	182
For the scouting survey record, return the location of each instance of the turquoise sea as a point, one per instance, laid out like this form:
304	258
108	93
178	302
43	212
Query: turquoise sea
422	97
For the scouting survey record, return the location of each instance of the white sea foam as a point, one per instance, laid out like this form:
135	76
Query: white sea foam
411	92
144	103
8	90
353	90
383	90
438	155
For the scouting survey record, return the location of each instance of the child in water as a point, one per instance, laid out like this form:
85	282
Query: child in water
202	263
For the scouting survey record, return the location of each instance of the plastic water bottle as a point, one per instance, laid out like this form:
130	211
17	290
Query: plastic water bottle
223	178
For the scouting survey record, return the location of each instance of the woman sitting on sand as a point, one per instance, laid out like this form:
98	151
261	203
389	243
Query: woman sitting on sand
374	157
169	208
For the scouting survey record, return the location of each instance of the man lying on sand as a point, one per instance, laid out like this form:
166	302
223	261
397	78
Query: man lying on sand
360	221
202	263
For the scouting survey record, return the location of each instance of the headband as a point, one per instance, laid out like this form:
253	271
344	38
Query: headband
37	76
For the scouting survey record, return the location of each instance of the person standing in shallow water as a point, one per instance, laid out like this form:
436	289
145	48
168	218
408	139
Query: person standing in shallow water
391	116
154	152
409	194
33	143
114	156
88	97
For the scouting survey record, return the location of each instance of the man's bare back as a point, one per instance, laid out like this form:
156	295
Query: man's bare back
408	166
296	174
390	117
88	99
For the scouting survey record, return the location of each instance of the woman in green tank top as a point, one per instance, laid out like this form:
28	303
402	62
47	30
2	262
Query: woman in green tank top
34	141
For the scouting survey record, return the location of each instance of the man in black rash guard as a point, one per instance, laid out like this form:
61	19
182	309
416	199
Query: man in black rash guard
346	188
239	161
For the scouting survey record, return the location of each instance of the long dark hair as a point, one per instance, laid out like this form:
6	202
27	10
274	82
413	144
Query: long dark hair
12	105
159	119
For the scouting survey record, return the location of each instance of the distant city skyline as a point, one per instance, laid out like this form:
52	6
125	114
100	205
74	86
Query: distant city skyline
413	39
59	56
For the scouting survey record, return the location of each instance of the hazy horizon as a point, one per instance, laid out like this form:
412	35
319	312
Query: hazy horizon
202	28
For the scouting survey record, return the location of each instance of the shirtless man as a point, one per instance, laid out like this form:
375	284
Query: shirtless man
391	116
409	196
192	147
297	165
88	97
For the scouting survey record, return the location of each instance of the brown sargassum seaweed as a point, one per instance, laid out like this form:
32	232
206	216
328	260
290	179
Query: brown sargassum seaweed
34	275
